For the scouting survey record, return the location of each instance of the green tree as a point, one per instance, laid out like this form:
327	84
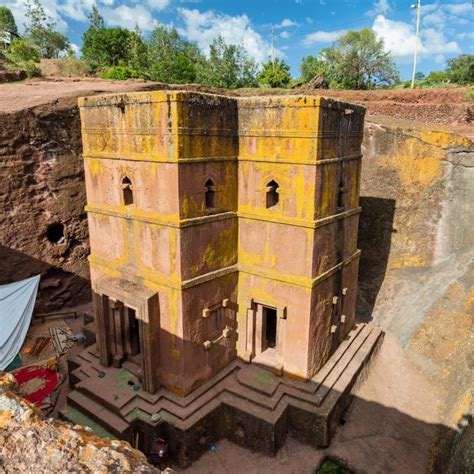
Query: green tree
103	47
359	61
461	69
311	66
24	56
228	66
275	74
436	78
170	58
8	29
138	53
41	31
95	19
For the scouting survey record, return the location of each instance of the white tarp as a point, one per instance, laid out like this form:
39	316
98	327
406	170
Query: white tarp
17	301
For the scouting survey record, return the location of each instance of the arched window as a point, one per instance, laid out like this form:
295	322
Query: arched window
272	194
210	194
340	196
127	190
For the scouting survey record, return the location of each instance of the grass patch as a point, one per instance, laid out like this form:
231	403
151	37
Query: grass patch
77	417
470	93
331	467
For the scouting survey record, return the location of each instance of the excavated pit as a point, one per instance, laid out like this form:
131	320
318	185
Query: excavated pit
415	233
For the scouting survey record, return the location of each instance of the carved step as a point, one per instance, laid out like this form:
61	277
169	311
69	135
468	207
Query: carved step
97	412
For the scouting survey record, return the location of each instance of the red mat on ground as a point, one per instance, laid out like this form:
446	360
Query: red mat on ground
36	383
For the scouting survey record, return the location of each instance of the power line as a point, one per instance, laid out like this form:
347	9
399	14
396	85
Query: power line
457	16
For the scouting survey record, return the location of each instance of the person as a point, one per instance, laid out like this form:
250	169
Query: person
159	454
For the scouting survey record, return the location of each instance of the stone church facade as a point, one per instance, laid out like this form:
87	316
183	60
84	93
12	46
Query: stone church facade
221	228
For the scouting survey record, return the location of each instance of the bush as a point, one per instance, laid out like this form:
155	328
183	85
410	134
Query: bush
461	69
275	74
24	56
121	73
437	78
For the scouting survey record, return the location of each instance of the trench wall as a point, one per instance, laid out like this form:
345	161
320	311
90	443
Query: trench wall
42	189
416	272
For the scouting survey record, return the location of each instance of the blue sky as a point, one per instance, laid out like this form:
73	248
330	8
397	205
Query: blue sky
301	27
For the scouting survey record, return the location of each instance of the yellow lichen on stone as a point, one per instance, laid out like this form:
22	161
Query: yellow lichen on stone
55	446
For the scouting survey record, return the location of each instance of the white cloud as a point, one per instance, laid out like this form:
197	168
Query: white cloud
78	10
50	7
399	39
129	17
446	15
463	36
58	10
285	34
76	49
157	4
286	23
458	8
205	27
381	7
322	37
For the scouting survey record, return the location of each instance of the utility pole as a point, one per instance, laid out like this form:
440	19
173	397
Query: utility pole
418	12
273	48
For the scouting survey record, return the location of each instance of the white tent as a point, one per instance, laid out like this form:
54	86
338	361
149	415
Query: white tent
17	301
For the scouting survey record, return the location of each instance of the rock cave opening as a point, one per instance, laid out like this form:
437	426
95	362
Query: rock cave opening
55	233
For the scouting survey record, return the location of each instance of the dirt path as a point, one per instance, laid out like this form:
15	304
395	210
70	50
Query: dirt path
17	96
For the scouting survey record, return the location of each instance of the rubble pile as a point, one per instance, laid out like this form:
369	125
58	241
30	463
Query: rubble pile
31	443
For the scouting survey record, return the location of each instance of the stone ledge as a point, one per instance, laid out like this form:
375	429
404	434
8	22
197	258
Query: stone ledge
245	403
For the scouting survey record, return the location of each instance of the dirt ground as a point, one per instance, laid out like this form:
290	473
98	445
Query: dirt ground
389	428
445	106
15	96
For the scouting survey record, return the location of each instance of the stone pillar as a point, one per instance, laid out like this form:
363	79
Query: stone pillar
149	344
101	306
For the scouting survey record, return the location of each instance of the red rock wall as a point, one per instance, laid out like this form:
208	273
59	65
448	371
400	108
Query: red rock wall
42	178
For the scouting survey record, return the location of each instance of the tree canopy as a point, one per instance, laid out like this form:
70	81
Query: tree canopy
360	61
103	47
461	69
8	28
228	66
41	32
170	57
275	73
357	60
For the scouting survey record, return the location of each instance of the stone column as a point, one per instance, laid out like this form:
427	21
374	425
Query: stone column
101	306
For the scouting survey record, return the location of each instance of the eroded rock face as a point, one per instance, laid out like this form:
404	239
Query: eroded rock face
31	443
43	223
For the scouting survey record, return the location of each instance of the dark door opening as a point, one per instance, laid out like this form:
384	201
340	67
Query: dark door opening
133	332
270	325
